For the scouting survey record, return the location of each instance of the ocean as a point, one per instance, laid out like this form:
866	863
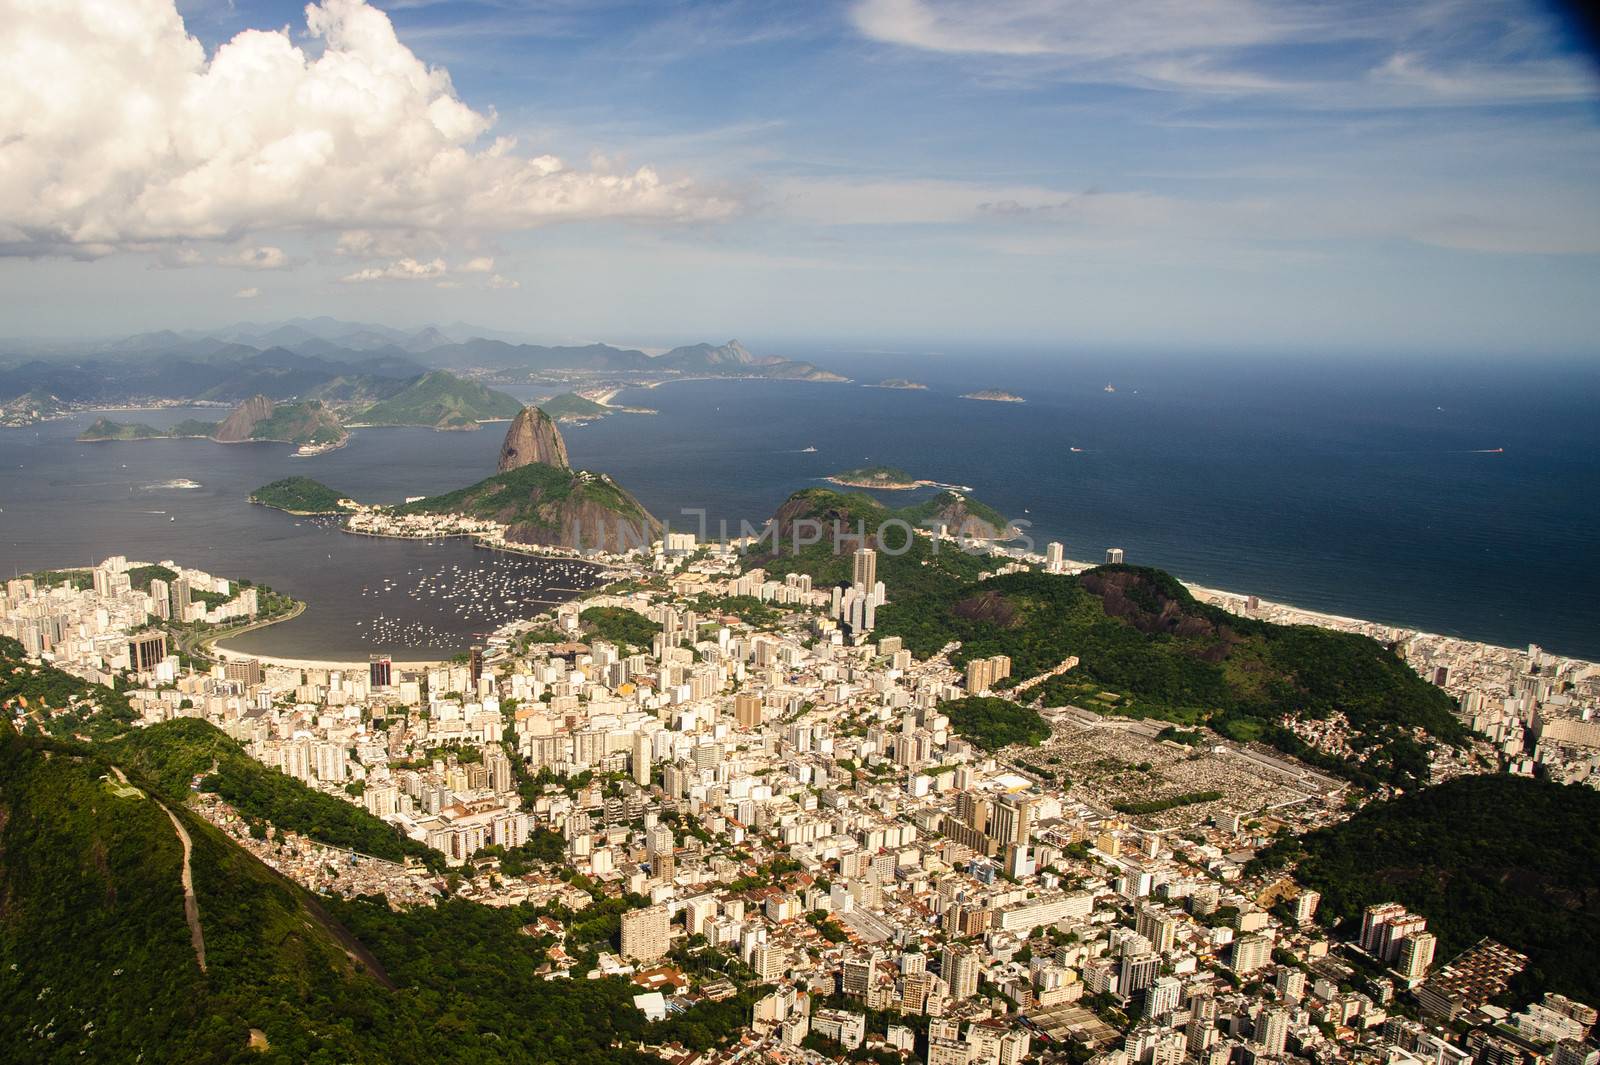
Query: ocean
1454	497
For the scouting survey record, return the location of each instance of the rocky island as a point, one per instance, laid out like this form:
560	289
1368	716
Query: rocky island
994	395
104	429
890	478
902	383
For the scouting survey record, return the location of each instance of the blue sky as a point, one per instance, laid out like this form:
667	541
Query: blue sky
1202	175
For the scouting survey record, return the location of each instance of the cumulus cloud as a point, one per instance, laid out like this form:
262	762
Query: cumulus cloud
482	265
399	270
503	282
247	294
120	131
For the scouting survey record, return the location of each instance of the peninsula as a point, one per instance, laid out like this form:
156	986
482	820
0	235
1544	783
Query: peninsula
302	496
539	498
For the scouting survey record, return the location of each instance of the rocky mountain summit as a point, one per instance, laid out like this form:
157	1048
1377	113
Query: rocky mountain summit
533	437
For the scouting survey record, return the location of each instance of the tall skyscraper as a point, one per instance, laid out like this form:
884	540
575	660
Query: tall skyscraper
146	651
1054	557
380	671
646	933
1113	556
864	572
180	599
641	759
959	968
1416	955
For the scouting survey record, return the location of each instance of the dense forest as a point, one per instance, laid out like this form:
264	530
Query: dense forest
993	723
299	495
1508	857
1147	648
97	964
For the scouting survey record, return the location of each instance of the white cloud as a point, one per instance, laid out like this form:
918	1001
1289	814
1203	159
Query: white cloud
503	282
118	130
263	257
1085	29
247	294
482	265
399	270
1209	46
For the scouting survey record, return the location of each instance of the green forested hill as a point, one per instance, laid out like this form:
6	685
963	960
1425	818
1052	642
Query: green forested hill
1507	857
909	565
96	960
570	405
443	401
551	505
1147	648
97	964
299	495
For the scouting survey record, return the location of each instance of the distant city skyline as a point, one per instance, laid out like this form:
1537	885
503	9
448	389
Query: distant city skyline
1354	177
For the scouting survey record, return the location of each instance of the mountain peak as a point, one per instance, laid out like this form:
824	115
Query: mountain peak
533	438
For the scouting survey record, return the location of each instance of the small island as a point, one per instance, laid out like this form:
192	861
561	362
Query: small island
105	429
994	396
301	496
891	478
578	407
900	382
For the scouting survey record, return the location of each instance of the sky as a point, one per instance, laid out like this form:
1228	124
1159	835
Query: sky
1383	178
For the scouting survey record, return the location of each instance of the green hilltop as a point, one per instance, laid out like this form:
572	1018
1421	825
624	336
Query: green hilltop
546	504
874	477
300	495
922	565
106	429
961	515
98	963
1147	648
569	406
442	400
1502	856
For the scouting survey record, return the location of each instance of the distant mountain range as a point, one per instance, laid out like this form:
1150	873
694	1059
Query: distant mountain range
336	361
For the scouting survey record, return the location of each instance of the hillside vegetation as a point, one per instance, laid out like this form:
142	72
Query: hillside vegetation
1508	857
1147	648
545	504
993	723
300	495
569	406
97	964
908	564
307	422
56	702
172	754
442	400
96	961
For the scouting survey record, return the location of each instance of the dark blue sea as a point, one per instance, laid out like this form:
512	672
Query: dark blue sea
1455	497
